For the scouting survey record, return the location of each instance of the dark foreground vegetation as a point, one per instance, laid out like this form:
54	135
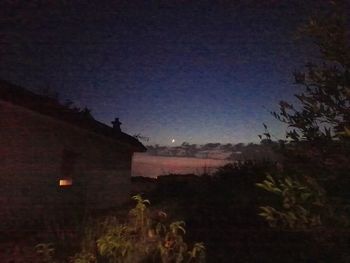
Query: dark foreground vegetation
195	219
222	211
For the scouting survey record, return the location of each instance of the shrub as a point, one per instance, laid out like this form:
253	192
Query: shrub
45	252
142	238
301	203
318	123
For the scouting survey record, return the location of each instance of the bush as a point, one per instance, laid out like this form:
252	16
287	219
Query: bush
318	144
302	203
144	237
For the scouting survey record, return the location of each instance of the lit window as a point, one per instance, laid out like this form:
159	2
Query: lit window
69	159
66	182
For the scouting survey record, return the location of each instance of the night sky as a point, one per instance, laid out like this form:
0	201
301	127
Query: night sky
195	71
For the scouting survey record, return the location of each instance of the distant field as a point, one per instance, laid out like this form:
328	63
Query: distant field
152	166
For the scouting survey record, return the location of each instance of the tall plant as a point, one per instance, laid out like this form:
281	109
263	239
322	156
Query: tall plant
318	135
320	122
142	238
301	204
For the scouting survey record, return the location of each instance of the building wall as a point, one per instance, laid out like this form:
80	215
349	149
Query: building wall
36	151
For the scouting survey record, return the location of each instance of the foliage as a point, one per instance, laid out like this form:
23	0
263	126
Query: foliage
83	257
221	210
302	203
45	252
115	244
141	137
319	124
140	214
141	238
325	100
318	143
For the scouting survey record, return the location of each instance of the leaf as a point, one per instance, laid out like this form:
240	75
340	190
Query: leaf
146	201
270	178
288	181
305	196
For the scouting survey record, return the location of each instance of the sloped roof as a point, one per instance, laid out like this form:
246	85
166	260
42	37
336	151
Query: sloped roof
51	107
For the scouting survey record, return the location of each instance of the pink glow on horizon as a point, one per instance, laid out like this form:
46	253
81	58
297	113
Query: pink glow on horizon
152	166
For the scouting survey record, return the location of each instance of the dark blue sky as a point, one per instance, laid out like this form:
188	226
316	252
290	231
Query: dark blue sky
196	71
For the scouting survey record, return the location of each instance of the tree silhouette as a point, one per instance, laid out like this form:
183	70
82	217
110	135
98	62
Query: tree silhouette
324	113
319	124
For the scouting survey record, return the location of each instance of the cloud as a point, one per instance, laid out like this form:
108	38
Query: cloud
216	151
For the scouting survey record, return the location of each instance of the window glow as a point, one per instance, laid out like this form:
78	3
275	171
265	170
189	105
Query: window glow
66	182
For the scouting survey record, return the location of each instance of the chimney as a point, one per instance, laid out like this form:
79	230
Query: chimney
116	125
